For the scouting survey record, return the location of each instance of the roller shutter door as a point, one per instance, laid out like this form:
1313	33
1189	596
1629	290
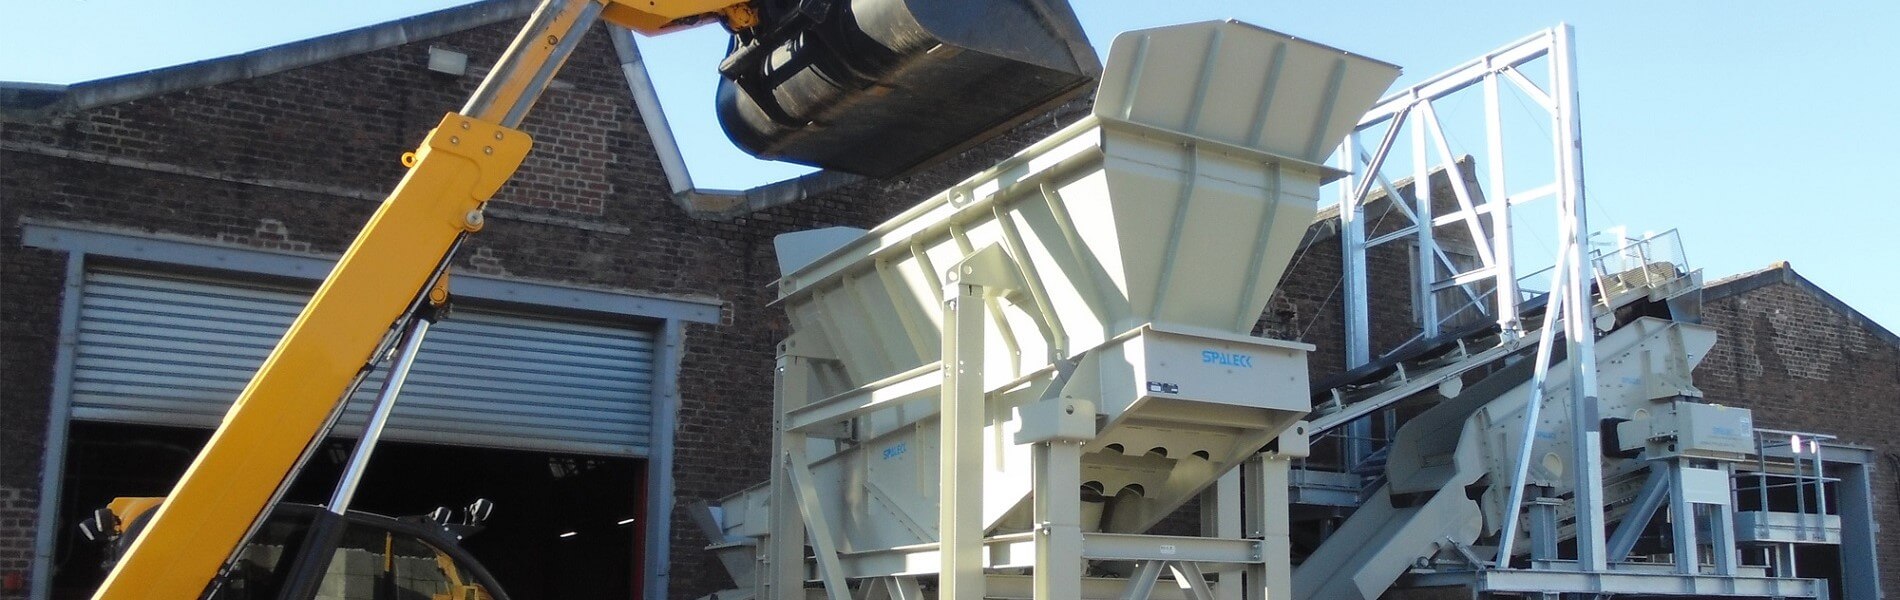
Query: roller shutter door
175	350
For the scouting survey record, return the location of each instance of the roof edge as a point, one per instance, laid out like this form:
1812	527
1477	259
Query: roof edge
37	102
1783	272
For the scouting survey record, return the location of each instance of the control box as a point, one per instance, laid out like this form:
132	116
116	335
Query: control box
1682	428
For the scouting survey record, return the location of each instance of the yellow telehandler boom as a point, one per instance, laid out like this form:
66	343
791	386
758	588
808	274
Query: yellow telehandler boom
395	268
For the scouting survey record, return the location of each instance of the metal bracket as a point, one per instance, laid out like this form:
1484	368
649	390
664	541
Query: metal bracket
989	268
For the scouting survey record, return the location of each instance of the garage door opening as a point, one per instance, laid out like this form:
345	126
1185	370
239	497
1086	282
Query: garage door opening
565	526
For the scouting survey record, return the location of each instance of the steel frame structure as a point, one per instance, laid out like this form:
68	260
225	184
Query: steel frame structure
1245	508
1683	488
1487	218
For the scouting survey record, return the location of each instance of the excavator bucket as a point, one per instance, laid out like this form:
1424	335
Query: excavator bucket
883	87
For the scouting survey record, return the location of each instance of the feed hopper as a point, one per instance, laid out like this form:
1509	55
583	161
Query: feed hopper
1055	352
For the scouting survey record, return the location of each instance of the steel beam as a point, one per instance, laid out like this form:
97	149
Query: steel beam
783	553
1580	331
1058	513
1860	567
1188	576
817	527
1525	50
1265	514
1131	546
1655	490
1221	516
1622	582
1354	411
1506	266
1141	584
1019	587
914	384
1546	339
960	442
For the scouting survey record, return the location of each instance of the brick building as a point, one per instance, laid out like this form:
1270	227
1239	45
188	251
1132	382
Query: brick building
234	182
238	180
1802	360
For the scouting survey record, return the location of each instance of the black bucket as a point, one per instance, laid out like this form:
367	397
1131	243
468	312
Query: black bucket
882	87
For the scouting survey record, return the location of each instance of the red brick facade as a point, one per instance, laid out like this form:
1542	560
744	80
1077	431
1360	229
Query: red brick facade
1803	361
296	161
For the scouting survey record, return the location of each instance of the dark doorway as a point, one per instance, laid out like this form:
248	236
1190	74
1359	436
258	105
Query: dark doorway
1820	561
564	526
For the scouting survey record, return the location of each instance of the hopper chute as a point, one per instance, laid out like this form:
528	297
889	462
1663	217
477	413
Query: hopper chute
1122	261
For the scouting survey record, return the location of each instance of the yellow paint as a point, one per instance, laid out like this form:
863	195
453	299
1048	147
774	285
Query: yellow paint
459	166
128	509
439	294
740	16
652	17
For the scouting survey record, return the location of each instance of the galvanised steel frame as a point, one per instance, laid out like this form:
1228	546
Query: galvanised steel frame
1487	218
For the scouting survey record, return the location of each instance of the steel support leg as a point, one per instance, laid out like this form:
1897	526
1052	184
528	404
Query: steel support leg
1543	529
1784	560
783	573
1220	517
1860	566
1728	558
1264	505
1586	436
960	470
1682	522
1058	504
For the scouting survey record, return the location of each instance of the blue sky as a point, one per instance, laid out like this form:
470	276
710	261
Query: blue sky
1764	131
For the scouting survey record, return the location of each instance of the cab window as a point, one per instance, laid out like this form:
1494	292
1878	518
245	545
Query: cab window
372	563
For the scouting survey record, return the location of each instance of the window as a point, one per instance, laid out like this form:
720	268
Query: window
260	569
372	563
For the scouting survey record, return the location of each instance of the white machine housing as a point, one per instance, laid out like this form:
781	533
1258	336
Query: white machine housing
1098	287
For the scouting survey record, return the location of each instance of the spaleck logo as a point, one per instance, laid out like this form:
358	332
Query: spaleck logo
1212	357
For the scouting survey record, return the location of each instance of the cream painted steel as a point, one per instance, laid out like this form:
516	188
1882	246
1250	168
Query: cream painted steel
1074	320
1467	438
960	464
1161	206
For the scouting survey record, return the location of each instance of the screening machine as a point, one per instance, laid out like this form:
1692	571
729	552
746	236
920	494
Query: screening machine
1037	364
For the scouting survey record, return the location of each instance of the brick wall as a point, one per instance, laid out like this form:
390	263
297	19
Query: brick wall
1791	354
17	506
298	160
30	285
